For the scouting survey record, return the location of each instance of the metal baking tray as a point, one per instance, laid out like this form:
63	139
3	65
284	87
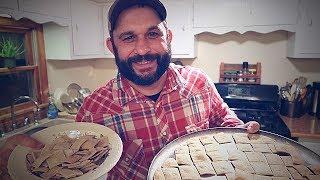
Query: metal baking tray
168	151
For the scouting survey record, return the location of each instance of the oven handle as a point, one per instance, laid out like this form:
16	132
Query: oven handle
242	109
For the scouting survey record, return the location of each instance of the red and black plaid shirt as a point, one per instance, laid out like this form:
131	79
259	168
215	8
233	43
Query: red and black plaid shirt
188	99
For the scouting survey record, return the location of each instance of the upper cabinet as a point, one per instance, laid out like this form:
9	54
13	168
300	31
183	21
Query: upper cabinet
10	4
305	42
220	16
82	39
179	20
39	11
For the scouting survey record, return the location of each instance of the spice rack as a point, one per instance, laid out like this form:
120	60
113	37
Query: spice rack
231	73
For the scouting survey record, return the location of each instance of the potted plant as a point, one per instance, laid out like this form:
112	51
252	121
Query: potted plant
9	51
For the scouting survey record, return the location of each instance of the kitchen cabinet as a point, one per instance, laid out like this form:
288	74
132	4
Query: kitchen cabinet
305	42
10	4
39	11
220	16
179	19
56	8
83	39
106	8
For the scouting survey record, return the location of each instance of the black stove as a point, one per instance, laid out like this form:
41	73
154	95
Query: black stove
255	102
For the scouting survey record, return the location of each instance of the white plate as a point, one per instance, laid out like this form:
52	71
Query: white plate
17	162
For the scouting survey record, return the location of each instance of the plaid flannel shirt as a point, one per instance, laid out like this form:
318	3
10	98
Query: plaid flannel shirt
188	99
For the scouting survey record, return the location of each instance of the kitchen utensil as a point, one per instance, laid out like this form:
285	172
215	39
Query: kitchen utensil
315	110
73	90
168	151
70	106
17	161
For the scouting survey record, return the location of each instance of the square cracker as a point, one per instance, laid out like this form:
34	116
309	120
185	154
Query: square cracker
240	175
195	148
315	168
219	155
294	173
261	168
207	139
261	148
313	177
236	155
280	178
199	156
211	147
261	177
222	167
188	172
222	138
171	173
303	170
183	159
256	157
205	168
158	175
279	170
170	162
273	159
245	147
241	138
182	150
287	160
243	165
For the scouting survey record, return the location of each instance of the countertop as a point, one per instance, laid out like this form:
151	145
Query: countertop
304	127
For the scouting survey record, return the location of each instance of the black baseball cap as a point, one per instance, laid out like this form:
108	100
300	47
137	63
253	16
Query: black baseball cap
120	5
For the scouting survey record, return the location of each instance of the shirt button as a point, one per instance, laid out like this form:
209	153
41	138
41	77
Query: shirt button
164	133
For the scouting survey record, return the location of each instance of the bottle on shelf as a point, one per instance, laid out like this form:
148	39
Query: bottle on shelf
245	70
52	109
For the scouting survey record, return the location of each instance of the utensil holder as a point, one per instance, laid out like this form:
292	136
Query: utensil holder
292	109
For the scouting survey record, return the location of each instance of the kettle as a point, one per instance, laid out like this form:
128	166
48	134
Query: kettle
314	109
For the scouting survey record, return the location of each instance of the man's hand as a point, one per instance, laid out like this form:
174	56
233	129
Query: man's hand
10	144
251	126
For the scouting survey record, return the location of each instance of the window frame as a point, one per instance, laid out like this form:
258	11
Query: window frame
38	66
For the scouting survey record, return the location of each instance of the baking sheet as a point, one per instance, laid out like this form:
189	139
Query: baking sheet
168	151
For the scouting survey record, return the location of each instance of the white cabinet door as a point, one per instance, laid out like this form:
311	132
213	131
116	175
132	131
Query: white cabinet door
86	17
219	13
11	4
273	12
305	42
106	34
179	19
54	8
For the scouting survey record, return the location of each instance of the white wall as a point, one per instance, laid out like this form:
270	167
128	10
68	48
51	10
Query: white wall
269	49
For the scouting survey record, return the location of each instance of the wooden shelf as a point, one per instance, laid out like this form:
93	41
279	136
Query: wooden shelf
17	69
229	73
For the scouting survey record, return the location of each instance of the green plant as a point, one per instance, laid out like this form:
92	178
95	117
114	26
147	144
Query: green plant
10	49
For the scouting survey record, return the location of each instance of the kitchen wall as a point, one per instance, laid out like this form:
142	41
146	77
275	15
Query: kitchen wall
269	49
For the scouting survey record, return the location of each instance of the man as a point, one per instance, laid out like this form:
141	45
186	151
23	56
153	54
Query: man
150	102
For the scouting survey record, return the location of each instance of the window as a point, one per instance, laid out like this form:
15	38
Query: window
23	75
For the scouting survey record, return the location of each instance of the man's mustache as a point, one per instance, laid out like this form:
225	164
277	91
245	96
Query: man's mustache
146	57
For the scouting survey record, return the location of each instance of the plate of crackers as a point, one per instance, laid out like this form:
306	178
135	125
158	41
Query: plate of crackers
80	151
233	154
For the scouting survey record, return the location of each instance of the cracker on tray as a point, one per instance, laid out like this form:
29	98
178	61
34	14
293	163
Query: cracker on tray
205	168
223	167
188	172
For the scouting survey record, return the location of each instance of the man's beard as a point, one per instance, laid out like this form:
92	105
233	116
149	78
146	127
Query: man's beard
126	69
